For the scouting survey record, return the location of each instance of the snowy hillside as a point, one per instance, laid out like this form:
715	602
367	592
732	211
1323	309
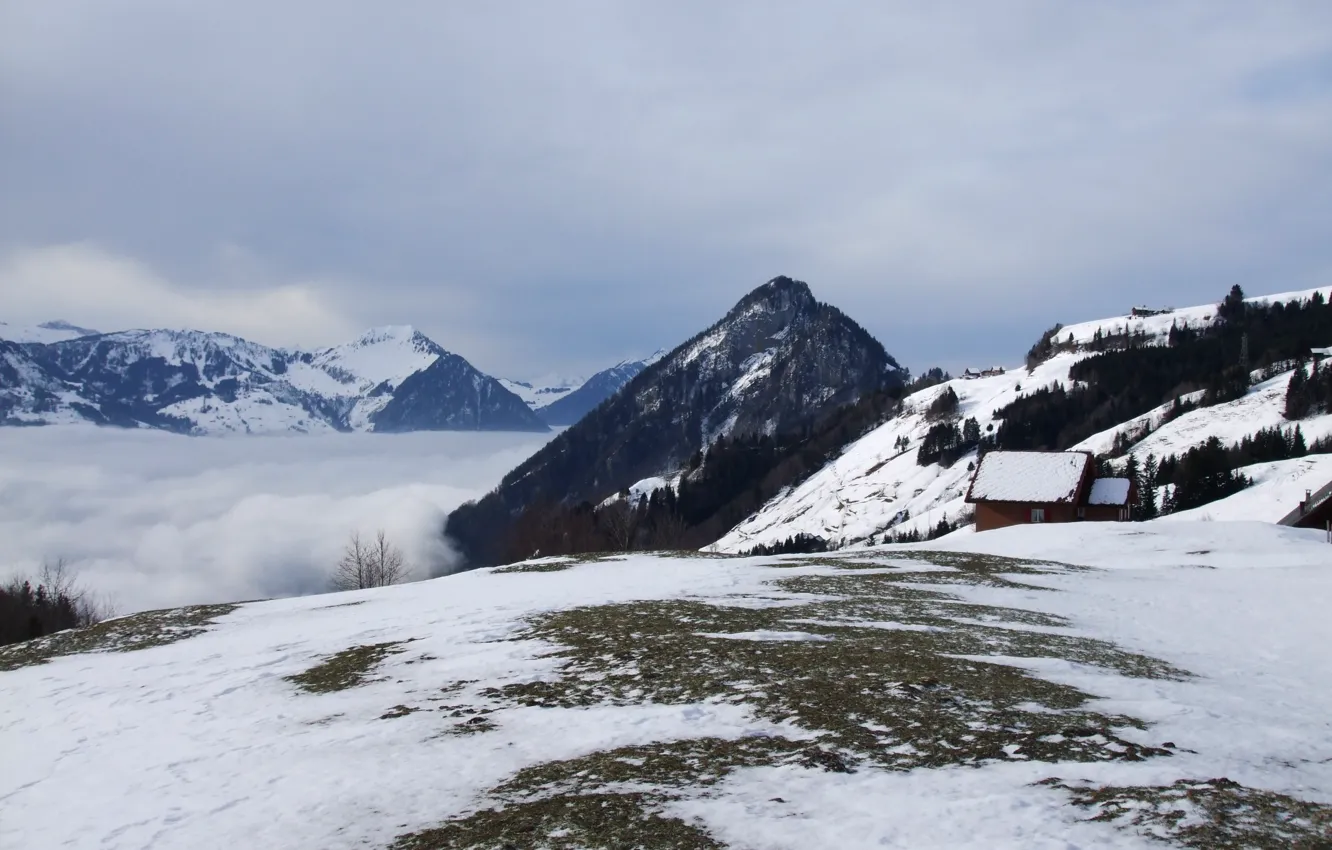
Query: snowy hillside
896	698
875	487
1157	327
543	391
211	383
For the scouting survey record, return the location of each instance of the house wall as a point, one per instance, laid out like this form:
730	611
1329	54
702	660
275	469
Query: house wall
1103	513
991	515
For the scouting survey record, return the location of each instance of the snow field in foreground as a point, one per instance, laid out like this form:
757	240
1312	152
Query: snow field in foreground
205	742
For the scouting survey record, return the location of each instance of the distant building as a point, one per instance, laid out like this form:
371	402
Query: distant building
970	374
1321	352
1140	312
1015	488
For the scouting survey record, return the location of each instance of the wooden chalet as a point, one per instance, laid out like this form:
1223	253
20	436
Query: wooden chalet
1014	488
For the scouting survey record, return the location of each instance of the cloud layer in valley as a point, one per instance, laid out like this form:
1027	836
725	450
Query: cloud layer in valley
155	520
554	186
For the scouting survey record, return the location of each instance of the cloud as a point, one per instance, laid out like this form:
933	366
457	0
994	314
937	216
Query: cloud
156	520
93	287
554	186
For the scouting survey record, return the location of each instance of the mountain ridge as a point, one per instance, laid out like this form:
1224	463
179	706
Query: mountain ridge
777	360
206	382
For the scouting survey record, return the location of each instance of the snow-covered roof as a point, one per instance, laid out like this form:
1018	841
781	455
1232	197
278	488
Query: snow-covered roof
1109	491
1029	477
1326	352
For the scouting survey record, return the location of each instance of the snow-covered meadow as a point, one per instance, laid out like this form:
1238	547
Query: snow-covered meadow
154	519
888	698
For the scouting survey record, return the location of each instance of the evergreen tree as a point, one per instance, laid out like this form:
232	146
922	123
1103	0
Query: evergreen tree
1146	507
1296	405
1133	471
1231	309
970	432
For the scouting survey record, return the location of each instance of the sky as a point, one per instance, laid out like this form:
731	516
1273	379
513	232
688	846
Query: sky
547	187
148	519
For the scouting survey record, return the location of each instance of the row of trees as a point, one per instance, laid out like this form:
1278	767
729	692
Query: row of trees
1128	378
1309	392
1209	472
945	442
52	602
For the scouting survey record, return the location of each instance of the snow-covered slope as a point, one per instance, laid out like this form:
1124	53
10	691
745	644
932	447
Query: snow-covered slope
875	487
1278	487
573	406
46	332
561	400
210	383
540	392
898	698
1157	328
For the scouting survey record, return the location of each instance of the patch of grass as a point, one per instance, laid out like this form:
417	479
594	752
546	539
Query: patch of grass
550	567
890	679
586	822
471	726
865	691
1216	814
398	711
345	669
124	634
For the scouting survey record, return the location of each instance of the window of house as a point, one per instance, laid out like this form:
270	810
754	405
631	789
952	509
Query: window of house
1082	513
1038	514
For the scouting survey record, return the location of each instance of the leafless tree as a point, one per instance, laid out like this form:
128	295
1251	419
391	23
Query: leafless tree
669	531
62	583
620	522
57	601
376	563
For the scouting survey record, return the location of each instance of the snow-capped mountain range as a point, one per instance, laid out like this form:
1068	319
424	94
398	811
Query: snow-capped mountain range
876	487
195	382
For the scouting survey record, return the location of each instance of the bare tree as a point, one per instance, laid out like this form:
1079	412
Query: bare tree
669	531
620	522
57	601
62	583
376	563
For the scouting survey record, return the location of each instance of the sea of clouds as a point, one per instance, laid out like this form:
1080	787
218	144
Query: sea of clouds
152	519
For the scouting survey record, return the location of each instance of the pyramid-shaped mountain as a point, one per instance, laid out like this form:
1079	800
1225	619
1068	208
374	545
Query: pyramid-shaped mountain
776	362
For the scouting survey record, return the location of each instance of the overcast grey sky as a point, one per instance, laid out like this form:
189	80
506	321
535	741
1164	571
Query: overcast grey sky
554	186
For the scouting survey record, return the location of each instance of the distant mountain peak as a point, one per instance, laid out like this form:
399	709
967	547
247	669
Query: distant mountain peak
776	363
391	333
780	293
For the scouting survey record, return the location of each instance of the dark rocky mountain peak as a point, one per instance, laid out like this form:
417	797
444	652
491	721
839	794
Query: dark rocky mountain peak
775	363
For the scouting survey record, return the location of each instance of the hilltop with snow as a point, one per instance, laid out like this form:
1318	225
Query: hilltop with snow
876	487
